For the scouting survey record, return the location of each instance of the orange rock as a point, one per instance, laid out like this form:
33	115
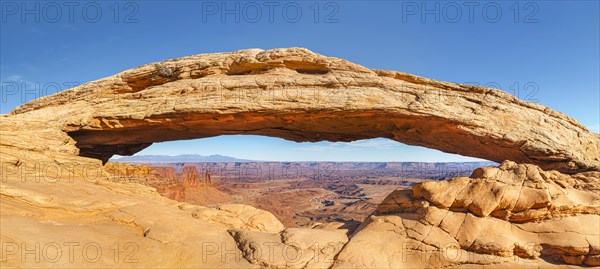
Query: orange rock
303	96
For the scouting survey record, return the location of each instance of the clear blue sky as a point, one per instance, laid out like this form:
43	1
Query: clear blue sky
550	47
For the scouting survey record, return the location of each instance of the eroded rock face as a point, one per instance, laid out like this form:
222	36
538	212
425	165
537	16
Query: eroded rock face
140	172
292	248
302	96
239	216
513	215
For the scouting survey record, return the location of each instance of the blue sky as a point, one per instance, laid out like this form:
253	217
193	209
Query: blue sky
549	51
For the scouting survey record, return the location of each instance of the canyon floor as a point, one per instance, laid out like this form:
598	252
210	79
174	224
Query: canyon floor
344	193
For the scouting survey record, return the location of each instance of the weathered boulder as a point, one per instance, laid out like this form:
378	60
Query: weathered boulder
512	215
77	222
292	248
239	216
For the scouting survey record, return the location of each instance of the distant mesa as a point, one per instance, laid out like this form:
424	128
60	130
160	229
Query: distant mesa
184	158
216	158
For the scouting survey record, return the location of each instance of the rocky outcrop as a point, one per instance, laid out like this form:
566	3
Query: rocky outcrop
54	197
191	176
140	173
511	215
292	248
302	96
185	187
239	216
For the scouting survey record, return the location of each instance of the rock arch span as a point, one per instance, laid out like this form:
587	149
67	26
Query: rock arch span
299	95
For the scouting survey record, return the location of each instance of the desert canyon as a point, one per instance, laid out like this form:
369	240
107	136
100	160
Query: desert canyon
60	207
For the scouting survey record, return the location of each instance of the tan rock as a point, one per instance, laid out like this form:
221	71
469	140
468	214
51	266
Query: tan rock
512	215
327	226
303	96
79	224
292	248
239	216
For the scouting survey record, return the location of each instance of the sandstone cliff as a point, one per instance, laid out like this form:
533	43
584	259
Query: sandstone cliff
189	186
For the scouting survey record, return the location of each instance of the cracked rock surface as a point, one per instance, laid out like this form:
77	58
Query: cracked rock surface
292	248
511	215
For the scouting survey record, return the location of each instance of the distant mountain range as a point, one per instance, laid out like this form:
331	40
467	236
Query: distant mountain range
186	158
216	158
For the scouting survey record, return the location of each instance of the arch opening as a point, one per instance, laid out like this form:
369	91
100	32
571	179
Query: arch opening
328	182
128	136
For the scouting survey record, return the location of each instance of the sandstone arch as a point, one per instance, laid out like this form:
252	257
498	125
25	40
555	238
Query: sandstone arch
298	95
510	215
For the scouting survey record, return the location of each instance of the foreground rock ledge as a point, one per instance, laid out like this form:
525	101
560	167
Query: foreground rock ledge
299	95
514	215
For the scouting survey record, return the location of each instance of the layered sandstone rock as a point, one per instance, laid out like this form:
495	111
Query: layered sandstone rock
198	195
191	176
54	197
514	215
303	96
189	186
292	248
140	172
239	216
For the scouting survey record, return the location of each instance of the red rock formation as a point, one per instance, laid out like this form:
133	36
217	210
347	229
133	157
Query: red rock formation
166	173
190	176
207	179
140	172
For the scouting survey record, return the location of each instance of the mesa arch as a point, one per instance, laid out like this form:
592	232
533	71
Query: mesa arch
299	95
